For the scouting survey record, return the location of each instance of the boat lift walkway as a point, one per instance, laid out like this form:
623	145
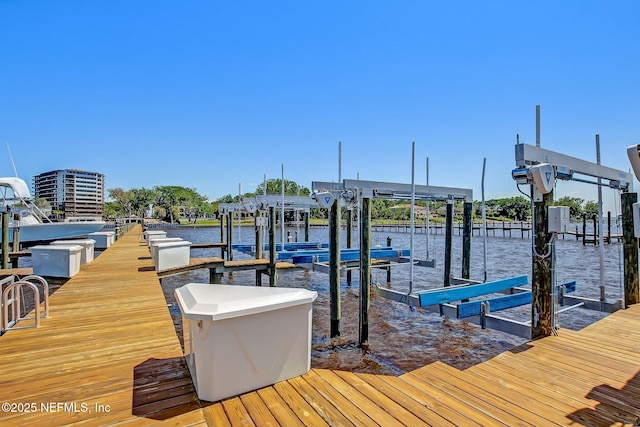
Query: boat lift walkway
108	354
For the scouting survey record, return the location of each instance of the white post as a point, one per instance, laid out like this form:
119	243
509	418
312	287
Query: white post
282	211
428	213
484	220
600	228
413	202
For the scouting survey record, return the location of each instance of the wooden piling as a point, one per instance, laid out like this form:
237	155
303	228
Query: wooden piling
448	243
349	239
273	272
306	226
334	267
5	238
229	236
365	271
16	236
541	286
630	251
258	238
466	239
222	236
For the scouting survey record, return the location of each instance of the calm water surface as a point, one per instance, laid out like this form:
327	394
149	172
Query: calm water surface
401	338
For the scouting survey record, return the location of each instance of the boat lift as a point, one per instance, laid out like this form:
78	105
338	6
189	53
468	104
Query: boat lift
540	168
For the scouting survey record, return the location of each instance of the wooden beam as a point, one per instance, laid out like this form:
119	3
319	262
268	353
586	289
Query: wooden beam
630	249
365	271
334	267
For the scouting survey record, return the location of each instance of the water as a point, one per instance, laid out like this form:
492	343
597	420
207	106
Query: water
400	338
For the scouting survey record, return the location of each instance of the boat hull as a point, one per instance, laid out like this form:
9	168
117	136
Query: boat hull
56	231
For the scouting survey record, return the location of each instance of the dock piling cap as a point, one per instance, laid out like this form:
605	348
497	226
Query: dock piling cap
203	301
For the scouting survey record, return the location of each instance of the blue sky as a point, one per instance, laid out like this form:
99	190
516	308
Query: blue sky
211	94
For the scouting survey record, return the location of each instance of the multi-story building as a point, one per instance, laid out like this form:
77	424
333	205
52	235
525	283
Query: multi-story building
73	193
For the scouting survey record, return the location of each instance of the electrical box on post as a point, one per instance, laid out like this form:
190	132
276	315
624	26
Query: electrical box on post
559	219
636	219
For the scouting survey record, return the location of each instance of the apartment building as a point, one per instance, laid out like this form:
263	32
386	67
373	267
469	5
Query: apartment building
72	193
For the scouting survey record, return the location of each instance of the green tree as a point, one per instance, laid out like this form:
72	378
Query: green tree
291	188
123	200
574	204
591	209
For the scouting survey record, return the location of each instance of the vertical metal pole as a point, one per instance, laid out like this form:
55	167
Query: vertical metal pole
239	208
428	215
334	267
448	243
273	272
537	126
412	215
484	221
365	270
600	234
282	211
630	251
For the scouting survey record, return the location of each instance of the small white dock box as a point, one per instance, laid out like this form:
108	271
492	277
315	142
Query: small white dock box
87	248
103	239
153	233
241	338
172	254
56	260
155	241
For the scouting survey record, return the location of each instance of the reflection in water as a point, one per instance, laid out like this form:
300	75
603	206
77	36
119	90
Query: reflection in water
400	338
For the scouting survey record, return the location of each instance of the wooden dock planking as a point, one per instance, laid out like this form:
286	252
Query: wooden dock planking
110	341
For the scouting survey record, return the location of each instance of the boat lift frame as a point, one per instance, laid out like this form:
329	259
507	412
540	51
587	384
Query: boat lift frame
565	168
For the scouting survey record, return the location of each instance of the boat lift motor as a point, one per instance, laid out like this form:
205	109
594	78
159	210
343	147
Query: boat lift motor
324	198
633	151
542	176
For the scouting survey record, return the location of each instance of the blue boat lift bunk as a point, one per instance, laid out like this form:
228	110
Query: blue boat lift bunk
455	302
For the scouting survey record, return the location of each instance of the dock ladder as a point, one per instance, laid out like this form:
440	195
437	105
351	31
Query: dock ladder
12	299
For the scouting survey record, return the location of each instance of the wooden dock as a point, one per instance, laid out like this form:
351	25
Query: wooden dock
108	354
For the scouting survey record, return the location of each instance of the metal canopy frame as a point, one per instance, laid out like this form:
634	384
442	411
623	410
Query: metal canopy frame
527	155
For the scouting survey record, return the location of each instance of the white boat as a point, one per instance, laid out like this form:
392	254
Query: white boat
34	226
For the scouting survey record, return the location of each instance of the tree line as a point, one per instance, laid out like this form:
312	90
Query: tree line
175	204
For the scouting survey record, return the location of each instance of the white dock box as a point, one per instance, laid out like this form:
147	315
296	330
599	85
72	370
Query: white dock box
87	248
104	239
172	254
56	260
241	338
153	233
155	241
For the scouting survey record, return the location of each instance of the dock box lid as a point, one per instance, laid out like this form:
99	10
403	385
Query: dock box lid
171	244
201	301
48	248
81	242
